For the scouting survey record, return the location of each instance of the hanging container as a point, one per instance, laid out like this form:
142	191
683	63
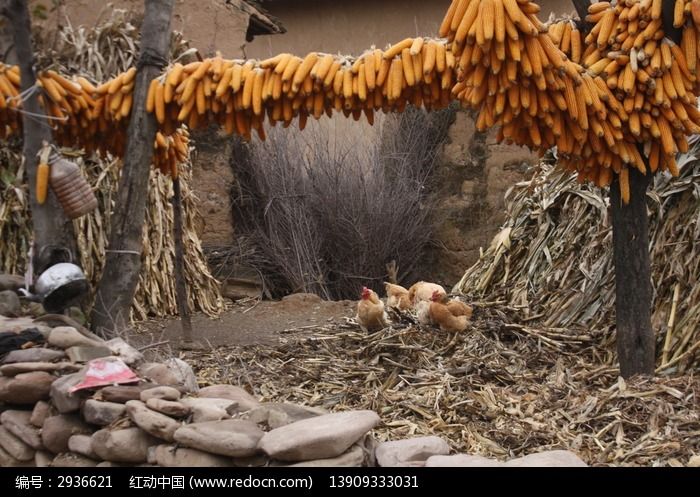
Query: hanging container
71	188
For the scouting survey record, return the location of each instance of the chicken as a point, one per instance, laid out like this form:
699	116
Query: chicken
441	315
397	296
423	312
424	291
459	308
370	312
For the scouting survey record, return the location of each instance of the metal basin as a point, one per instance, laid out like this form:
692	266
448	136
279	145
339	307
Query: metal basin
61	286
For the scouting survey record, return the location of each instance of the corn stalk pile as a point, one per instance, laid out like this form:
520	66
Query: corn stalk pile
108	49
553	260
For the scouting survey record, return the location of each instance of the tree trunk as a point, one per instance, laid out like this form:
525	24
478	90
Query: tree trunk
180	283
54	239
635	336
117	286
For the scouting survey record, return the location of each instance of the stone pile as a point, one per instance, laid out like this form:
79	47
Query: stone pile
167	420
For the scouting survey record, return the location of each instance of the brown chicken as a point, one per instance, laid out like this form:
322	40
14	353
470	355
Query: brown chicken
440	314
370	312
459	308
397	296
424	291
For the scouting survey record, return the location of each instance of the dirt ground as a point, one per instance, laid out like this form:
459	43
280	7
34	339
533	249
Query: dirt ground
249	322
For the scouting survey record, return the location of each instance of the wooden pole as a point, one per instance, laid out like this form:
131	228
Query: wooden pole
116	289
180	283
54	239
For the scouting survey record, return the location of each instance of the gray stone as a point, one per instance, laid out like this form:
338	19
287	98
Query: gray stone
26	388
152	422
27	367
164	392
18	423
461	461
58	429
82	444
69	460
102	413
179	457
81	353
35	354
16	325
35	309
231	437
209	409
14	446
11	282
9	303
169	407
122	394
321	437
548	459
353	458
157	373
42	459
408	452
126	445
65	337
279	414
61	395
184	374
244	400
42	410
7	461
126	352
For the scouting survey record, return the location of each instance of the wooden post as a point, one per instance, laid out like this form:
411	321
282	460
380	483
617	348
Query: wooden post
180	284
633	291
115	292
53	231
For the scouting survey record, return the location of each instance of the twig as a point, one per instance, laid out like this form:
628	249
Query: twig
153	345
671	325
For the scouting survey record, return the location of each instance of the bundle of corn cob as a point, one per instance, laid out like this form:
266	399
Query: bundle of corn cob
240	95
595	105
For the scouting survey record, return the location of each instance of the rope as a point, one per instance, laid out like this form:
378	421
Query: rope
150	57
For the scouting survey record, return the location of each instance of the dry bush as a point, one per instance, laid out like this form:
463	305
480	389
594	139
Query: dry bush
327	209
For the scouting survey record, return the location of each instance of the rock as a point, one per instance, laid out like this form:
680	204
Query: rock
9	303
256	461
27	367
244	400
165	393
77	315
81	353
18	423
126	445
65	337
157	373
17	325
173	372
26	388
58	429
82	444
7	461
168	407
42	410
461	461
126	352
11	282
353	458
102	413
548	459
61	395
414	450
14	446
35	309
42	459
279	414
694	462
178	457
321	437
69	460
35	354
152	422
231	437
209	409
123	394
